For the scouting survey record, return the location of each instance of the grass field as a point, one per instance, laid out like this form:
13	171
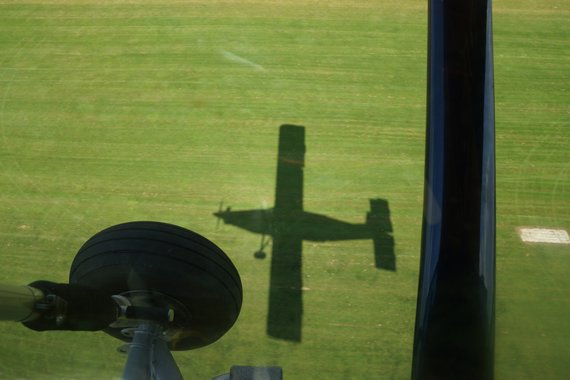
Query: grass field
113	111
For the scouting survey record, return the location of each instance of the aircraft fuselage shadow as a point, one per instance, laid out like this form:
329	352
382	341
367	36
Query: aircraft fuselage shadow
288	224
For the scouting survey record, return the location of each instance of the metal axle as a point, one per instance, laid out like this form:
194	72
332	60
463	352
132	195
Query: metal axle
17	302
148	355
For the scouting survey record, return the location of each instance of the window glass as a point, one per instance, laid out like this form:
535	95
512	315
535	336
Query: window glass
299	116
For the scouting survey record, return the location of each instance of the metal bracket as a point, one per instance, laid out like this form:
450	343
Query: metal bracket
148	355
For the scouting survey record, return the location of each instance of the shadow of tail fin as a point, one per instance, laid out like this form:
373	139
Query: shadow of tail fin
378	220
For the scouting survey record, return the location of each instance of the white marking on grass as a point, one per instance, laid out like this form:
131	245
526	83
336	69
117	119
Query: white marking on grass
241	60
544	235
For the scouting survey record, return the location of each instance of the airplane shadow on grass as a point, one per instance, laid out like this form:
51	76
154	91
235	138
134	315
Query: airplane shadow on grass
288	225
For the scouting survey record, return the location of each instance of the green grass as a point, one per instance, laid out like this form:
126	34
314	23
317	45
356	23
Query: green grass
113	111
533	188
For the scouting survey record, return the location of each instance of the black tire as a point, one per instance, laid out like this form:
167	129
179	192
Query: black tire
164	258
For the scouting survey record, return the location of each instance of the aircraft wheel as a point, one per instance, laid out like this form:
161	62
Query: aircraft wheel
186	271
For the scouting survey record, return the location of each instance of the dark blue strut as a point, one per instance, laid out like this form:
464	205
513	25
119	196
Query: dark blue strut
455	317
